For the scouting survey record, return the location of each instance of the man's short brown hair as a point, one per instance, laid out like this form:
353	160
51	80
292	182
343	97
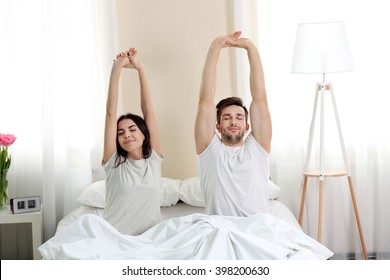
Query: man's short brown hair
228	102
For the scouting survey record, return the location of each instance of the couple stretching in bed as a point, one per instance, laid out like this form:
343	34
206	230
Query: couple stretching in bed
234	172
234	169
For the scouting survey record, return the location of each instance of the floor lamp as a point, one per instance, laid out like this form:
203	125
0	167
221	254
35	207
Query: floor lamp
322	48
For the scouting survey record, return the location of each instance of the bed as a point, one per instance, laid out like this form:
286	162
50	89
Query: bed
185	231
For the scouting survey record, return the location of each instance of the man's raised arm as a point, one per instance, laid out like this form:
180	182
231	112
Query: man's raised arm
260	117
206	114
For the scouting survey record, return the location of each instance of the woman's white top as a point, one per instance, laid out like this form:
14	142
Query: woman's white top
234	180
133	191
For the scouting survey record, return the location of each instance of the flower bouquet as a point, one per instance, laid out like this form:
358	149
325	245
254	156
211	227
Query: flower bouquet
6	140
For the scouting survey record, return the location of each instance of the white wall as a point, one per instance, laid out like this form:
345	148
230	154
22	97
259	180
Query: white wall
172	37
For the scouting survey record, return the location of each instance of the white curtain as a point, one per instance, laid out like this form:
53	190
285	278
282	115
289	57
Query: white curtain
361	98
55	63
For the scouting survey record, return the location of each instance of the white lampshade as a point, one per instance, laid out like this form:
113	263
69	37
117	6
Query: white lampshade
322	48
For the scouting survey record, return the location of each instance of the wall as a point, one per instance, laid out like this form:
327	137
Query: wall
172	38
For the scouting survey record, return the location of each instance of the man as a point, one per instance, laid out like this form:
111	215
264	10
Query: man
233	170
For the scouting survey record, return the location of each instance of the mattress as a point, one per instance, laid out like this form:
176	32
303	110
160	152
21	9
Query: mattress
180	209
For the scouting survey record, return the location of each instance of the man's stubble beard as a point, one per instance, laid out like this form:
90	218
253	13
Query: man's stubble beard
233	139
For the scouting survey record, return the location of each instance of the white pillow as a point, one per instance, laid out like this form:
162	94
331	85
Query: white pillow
172	190
273	190
191	193
169	191
95	194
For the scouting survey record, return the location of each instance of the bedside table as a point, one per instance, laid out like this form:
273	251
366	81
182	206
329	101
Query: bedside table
35	218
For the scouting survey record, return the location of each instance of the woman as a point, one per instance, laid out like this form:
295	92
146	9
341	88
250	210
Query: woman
131	157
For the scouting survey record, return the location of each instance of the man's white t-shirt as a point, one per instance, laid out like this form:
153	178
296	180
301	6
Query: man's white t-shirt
234	180
133	191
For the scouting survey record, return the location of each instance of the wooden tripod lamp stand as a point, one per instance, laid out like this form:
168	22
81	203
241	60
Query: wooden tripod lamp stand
323	48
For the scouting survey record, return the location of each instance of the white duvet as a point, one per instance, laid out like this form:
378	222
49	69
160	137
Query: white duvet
195	236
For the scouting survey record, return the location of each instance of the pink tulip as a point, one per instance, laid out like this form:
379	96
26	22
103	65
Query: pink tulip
7	140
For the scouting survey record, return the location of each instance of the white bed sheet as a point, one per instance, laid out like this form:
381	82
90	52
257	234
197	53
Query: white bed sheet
185	233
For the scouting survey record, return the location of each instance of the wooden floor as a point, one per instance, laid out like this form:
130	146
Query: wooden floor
359	256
